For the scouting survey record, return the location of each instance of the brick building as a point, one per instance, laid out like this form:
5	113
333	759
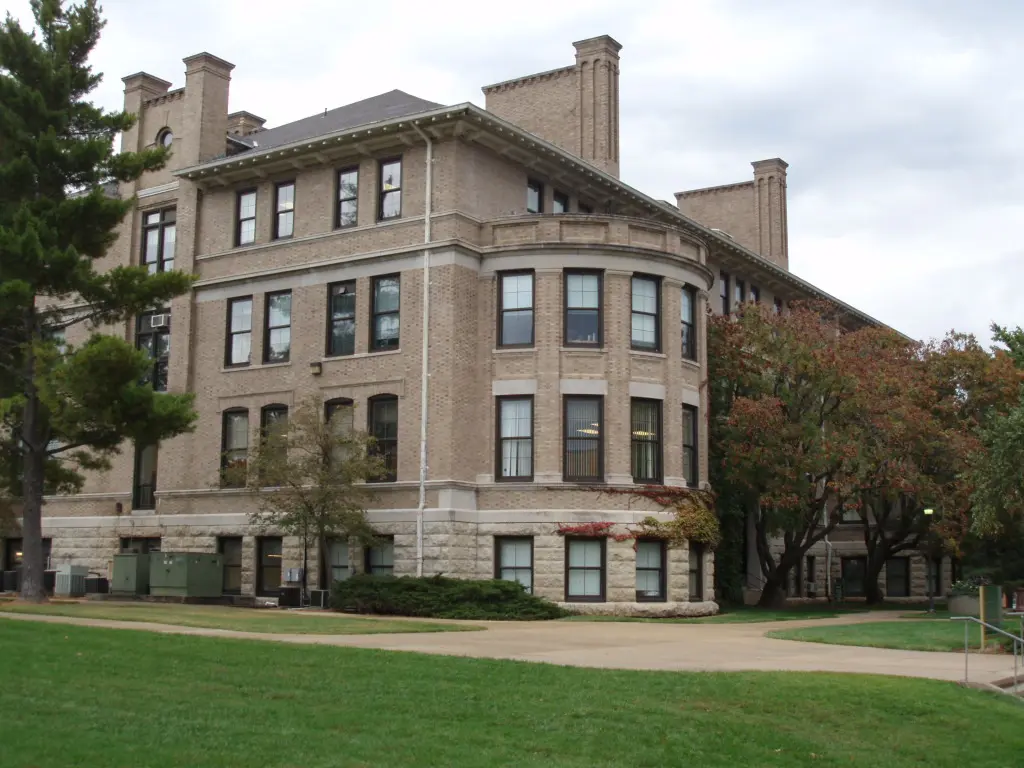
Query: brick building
562	331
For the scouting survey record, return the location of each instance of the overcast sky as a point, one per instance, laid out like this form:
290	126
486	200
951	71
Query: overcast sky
901	121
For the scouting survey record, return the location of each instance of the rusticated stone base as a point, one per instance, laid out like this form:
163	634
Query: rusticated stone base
648	610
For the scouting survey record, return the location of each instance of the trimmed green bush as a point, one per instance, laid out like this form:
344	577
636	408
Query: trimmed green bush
441	598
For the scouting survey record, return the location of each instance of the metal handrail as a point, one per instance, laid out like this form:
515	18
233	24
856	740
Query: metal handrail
1017	641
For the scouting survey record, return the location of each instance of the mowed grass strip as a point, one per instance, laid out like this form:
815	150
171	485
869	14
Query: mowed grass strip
732	616
909	635
238	619
84	696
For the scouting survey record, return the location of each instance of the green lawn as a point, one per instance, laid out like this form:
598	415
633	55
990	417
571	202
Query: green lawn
920	635
737	616
241	619
83	696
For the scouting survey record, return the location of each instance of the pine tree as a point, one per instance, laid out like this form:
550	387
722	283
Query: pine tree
65	409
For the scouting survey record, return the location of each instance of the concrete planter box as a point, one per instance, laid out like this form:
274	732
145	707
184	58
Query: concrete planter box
964	605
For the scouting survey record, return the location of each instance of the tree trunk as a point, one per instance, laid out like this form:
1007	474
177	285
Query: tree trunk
872	592
33	472
773	595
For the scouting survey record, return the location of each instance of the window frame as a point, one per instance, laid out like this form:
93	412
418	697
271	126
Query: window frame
755	294
137	495
725	292
599	477
538	186
842	574
694	462
689	327
265	422
326	578
230	334
558	196
162	362
160	227
662	572
224	448
499	441
367	557
261	541
499	567
329	350
933	576
392	476
740	291
338	199
278	213
603	570
779	306
599	274
656	315
221	541
659	442
374	314
383	193
501	308
238	215
267	327
905	563
698	549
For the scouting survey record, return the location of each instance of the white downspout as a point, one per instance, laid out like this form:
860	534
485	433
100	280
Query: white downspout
425	374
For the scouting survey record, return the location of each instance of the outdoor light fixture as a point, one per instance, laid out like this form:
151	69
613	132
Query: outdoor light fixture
316	367
929	511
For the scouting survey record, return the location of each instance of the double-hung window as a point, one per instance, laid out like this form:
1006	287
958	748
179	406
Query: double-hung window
645	321
723	283
515	438
755	294
274	441
779	305
339	567
390	200
534	196
645	440
650	570
690	464
385	311
235	447
348	198
583	448
513	559
284	209
584	570
897	577
560	202
689	322
383	429
245	230
380	559
583	309
341	318
277	337
739	293
696	571
515	309
153	334
239	340
159	229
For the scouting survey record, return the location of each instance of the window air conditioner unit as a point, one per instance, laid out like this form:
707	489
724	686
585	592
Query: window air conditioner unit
160	321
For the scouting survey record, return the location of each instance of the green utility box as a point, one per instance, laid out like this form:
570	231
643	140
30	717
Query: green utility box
186	574
131	574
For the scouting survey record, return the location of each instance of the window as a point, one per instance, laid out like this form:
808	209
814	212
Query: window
583	309
515	309
584	443
778	306
284	207
513	560
515	438
646	307
140	546
854	570
384	320
560	202
584	208
145	477
245	232
755	294
158	233
230	548
273	435
341	318
897	577
650	570
384	430
380	560
584	570
338	566
390	203
723	282
165	138
239	340
691	471
277	336
339	412
268	566
14	553
153	335
534	196
934	577
645	440
696	572
235	448
739	293
689	323
811	576
348	198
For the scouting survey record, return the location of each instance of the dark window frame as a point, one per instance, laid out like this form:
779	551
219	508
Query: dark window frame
221	541
144	499
779	306
161	363
238	215
662	572
278	213
392	476
329	350
338	199
230	334
905	563
224	448
538	186
584	208
659	442
498	567
168	218
557	196
725	292
695	586
501	308
694	459
265	420
599	477
599	274
739	292
375	346
382	193
570	598
689	327
267	328
755	294
656	315
261	541
842	573
367	557
499	441
933	576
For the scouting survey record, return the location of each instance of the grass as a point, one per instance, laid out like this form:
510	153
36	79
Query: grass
84	696
919	635
738	615
240	619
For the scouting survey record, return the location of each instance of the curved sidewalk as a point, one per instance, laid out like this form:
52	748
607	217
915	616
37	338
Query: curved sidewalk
631	645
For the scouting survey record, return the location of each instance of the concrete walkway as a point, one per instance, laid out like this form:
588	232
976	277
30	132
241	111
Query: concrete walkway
633	645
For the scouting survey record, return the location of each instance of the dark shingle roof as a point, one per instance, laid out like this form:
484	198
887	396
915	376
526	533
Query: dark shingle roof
372	110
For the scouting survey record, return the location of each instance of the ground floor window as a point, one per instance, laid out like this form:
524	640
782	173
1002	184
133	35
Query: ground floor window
934	585
854	570
140	546
380	559
897	577
14	554
268	566
696	572
230	548
513	559
811	574
338	565
584	570
650	570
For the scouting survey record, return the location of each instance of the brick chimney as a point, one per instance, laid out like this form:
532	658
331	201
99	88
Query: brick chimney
244	123
770	196
205	113
597	64
138	89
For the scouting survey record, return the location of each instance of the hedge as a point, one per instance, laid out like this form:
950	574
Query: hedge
439	597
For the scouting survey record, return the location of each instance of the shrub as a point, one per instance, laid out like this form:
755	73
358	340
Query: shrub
441	598
970	586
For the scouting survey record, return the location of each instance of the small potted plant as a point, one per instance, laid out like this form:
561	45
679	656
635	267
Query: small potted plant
964	596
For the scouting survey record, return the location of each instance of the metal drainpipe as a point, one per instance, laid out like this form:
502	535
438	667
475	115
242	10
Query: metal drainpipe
425	373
